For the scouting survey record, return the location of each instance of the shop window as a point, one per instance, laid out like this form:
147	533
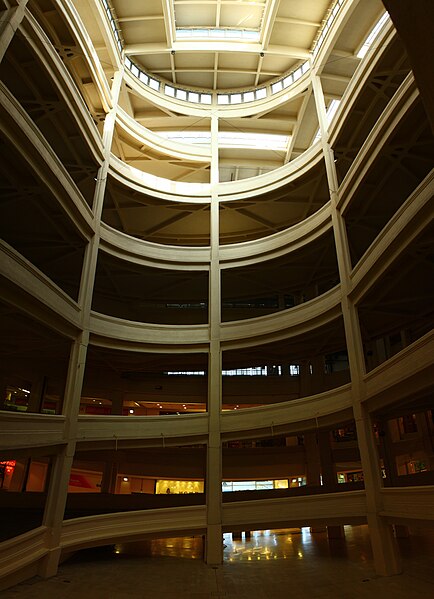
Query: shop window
407	424
346	433
350	477
177	487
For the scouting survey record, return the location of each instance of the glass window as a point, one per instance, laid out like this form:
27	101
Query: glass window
222	99
154	84
144	78
297	74
169	90
276	87
287	80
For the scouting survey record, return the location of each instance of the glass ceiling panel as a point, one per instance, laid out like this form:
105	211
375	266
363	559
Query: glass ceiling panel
216	19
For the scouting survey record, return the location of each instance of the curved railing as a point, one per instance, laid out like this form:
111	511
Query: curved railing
22	132
147	253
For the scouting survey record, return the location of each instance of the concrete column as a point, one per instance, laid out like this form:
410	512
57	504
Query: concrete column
60	473
427	439
386	556
9	22
37	394
386	450
313	462
328	472
214	543
305	379
91	254
109	476
335	532
117	399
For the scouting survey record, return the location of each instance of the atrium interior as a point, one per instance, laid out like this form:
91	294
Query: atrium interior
217	276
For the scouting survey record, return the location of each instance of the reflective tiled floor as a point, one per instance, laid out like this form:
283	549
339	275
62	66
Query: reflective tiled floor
271	564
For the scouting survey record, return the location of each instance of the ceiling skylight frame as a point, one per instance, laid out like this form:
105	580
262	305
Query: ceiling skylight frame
238	97
217	34
242	140
116	32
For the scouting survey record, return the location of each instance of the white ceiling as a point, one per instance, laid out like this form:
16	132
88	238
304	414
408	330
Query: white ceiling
286	32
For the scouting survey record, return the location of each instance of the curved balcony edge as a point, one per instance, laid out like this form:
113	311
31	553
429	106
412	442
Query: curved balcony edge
45	163
147	253
386	125
89	531
408	373
302	414
287	323
359	79
38	288
80	34
405	225
278	244
64	83
27	430
345	507
108	330
20	552
148	138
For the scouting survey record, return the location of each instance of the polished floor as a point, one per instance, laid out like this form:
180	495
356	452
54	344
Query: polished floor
271	564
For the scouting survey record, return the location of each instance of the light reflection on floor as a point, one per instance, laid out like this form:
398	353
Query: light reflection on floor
184	547
296	543
265	544
293	543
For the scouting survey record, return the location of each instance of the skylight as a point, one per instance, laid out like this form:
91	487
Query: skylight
331	111
215	34
231	139
371	37
218	20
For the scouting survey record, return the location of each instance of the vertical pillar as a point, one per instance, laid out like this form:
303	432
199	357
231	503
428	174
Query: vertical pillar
117	398
214	544
387	453
313	462
326	457
60	473
305	379
386	557
37	394
109	476
427	439
10	21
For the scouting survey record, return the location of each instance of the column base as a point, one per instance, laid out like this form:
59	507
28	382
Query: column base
214	545
387	560
50	563
335	532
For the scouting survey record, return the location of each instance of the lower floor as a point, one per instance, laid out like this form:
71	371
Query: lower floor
280	563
